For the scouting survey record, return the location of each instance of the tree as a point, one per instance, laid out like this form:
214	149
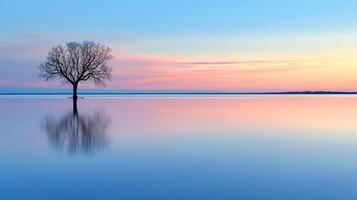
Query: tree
76	62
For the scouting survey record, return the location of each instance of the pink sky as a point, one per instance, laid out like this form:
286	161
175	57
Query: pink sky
298	62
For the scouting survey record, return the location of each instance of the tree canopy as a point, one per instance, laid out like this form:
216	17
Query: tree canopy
76	62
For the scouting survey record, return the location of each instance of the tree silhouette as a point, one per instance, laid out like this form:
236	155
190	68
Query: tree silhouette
76	62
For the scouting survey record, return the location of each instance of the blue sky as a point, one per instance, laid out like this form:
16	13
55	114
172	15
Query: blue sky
174	17
180	31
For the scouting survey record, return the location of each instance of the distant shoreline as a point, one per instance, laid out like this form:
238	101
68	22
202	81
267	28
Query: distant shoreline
183	93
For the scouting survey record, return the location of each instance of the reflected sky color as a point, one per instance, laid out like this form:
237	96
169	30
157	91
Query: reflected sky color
224	45
183	147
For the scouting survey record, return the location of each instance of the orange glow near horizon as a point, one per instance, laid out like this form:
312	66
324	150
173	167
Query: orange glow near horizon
263	63
155	72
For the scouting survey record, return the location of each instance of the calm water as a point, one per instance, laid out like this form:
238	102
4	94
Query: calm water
180	147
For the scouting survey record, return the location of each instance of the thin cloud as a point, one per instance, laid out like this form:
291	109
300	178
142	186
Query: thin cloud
232	62
21	48
50	37
209	63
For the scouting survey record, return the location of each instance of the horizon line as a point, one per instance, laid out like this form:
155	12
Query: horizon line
180	93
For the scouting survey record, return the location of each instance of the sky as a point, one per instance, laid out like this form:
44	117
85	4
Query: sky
215	45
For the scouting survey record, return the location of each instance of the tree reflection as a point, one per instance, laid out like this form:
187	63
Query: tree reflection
77	132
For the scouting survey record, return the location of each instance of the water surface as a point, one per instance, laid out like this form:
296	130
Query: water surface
179	147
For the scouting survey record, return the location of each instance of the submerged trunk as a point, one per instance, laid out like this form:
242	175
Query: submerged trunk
75	109
75	86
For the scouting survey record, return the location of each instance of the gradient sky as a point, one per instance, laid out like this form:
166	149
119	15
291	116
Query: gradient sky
230	45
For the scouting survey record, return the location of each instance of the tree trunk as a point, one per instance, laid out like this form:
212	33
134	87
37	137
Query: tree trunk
75	86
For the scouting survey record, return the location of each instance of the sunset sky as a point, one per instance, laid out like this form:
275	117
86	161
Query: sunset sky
220	45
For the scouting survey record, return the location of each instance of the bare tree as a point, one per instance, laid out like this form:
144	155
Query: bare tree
76	62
